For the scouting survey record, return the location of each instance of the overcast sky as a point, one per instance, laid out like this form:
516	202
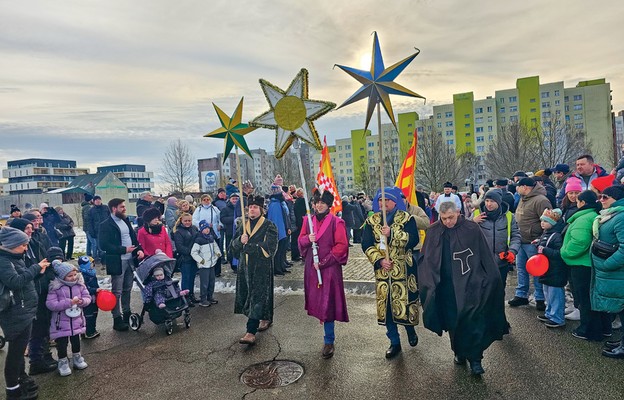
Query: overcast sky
107	82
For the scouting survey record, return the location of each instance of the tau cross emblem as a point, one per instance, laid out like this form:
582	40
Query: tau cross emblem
462	257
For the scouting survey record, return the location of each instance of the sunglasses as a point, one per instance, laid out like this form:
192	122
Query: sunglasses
603	197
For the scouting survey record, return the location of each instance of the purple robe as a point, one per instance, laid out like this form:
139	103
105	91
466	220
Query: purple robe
328	302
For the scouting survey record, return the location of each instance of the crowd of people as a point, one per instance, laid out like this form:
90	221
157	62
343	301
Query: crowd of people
451	253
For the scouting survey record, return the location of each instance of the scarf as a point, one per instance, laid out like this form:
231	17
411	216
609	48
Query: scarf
604	216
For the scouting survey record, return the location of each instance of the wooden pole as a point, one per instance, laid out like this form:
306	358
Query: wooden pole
382	238
241	199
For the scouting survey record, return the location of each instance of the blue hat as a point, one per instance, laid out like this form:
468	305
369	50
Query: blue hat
391	193
203	224
565	168
86	266
61	269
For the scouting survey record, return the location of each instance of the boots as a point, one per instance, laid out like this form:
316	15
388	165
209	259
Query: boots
126	317
28	384
78	361
42	366
120	325
21	393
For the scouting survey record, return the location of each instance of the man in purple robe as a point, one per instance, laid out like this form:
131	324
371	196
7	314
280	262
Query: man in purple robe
326	302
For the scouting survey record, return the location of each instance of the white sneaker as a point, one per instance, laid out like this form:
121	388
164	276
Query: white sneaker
617	324
574	315
63	367
569	309
79	362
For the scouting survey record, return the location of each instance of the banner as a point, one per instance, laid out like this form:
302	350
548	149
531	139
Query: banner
325	178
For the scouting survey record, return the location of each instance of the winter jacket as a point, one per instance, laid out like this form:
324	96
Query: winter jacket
86	221
529	211
347	215
598	172
141	206
171	216
50	219
508	199
59	299
498	231
568	212
551	240
228	215
277	212
184	239
300	211
110	242
16	276
422	222
210	214
230	189
607	286
97	215
220	203
151	242
578	238
158	291
66	226
358	215
551	192
205	252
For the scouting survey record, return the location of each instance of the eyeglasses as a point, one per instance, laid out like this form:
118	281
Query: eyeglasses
603	197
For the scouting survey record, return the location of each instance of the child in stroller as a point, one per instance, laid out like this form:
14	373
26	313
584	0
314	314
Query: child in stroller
162	298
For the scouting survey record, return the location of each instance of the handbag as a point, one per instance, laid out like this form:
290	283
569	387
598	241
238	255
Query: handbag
602	249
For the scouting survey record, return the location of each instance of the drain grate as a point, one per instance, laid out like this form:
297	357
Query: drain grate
272	374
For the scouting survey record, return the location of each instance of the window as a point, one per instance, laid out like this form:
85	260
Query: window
420	129
429	128
449	123
439	115
371	144
513	118
448	114
371	153
341	163
409	125
479	129
480	149
556	93
491	137
479	110
479	120
578	126
546	114
490	118
480	139
467	125
557	102
466	115
567	108
489	109
467	134
545	104
503	120
545	124
339	148
502	100
557	112
532	100
578	97
468	144
340	155
578	117
502	109
490	128
545	95
578	107
566	99
513	99
449	133
348	155
439	125
567	118
513	108
449	142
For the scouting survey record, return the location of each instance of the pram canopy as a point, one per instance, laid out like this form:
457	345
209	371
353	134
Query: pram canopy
146	266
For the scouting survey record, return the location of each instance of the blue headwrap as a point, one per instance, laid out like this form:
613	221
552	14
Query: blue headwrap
391	193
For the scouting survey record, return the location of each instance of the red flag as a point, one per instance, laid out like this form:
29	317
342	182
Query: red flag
325	178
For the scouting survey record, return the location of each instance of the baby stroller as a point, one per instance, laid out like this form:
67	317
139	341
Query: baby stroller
175	305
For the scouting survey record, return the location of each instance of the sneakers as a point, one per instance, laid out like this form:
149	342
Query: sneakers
92	335
553	324
518	301
78	361
574	315
119	324
205	303
616	324
578	335
570	309
63	367
20	393
543	318
540	305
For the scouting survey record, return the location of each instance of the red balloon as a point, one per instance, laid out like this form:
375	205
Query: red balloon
537	265
106	300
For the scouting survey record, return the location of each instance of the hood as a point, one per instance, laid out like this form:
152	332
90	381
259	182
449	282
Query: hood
537	190
57	283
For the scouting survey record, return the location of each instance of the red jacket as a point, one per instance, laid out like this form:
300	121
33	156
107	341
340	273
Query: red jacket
150	242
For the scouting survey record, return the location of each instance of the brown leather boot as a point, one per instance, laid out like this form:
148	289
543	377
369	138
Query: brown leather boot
249	339
328	351
264	325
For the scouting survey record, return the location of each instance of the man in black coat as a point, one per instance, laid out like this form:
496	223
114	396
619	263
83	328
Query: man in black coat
348	217
228	215
299	210
507	197
461	288
143	204
97	214
118	240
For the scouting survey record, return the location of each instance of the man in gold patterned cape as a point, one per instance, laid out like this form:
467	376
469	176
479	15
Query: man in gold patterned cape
395	276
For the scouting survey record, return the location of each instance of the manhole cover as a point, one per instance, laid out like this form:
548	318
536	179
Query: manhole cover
272	374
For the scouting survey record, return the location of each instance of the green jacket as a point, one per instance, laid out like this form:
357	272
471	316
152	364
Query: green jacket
578	238
607	286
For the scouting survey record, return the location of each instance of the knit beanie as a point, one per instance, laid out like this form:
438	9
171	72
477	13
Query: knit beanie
276	189
600	184
29	216
85	265
43	205
615	191
189	198
172	201
495	195
20	223
526	182
12	237
61	269
88	197
203	224
551	216
55	253
573	184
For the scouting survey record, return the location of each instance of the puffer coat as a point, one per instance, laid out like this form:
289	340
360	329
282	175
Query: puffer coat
59	299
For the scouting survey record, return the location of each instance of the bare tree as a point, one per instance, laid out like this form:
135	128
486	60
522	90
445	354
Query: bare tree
179	168
436	163
515	148
559	142
288	168
366	178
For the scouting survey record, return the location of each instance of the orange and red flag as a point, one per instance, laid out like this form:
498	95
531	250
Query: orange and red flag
325	178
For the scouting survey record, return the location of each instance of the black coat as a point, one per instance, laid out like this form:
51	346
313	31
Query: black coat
551	192
475	282
509	200
557	274
228	214
50	219
358	216
141	206
97	215
110	241
184	239
347	214
300	211
18	278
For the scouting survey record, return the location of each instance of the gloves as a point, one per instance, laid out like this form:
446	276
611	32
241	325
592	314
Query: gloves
508	256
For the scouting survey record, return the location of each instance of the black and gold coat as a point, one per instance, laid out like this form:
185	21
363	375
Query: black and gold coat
254	279
399	284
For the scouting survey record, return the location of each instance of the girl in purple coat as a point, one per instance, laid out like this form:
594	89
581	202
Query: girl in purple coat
67	297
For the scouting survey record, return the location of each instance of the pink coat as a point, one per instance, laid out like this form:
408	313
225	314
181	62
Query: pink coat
150	242
58	300
327	303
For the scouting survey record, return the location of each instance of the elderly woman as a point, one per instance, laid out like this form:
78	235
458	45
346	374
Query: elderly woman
607	283
17	317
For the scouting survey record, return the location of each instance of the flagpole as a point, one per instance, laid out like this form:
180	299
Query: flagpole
382	238
297	146
240	189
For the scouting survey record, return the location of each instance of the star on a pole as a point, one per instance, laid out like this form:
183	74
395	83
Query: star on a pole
291	113
232	130
378	83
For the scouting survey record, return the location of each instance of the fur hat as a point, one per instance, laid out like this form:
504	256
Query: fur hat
12	237
573	184
61	269
150	214
520	174
326	198
551	216
255	201
14	208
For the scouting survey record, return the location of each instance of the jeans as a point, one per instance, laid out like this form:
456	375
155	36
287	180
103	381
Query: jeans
61	345
122	288
14	365
555	303
330	336
189	270
252	325
206	283
89	251
522	290
95	250
392	330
